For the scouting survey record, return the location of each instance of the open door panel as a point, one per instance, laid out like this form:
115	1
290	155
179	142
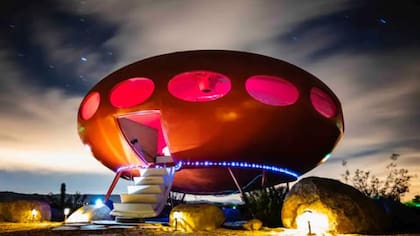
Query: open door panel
142	138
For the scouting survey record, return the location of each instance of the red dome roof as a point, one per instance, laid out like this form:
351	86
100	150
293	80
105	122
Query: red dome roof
213	110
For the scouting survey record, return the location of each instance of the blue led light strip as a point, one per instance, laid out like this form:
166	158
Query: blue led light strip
233	164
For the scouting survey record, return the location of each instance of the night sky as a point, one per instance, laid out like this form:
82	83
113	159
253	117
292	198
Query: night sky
53	52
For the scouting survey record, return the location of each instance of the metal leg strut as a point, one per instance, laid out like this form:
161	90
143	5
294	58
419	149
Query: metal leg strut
111	188
236	181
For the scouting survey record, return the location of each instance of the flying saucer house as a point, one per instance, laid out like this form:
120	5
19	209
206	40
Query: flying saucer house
212	121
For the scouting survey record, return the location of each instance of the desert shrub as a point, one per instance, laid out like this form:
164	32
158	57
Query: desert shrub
393	186
415	202
265	204
64	200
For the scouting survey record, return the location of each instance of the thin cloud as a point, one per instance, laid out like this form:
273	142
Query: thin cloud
152	28
379	90
79	61
42	124
377	109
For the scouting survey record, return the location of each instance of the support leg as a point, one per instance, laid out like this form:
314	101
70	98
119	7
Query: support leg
236	181
263	177
111	188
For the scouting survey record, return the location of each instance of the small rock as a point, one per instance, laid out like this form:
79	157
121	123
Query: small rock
194	217
253	224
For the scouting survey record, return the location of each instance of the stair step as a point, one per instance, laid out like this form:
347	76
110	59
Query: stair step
153	172
140	189
148	196
134	214
129	220
148	180
133	207
140	198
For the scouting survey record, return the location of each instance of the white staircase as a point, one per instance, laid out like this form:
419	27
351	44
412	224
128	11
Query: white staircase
147	197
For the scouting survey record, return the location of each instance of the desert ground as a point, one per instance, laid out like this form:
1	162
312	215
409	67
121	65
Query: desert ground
59	229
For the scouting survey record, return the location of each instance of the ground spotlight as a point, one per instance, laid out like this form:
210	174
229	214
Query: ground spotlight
177	216
66	213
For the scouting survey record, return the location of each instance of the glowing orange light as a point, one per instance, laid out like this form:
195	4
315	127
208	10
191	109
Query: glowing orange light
34	213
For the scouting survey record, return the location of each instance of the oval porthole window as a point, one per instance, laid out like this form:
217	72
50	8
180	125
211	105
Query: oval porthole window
323	103
131	92
89	105
272	90
199	86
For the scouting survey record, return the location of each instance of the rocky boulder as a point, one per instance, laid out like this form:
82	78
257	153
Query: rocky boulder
24	211
194	217
329	205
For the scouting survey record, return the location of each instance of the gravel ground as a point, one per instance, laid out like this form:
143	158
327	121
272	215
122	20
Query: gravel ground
14	227
58	229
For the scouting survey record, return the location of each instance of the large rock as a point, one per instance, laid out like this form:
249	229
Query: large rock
24	211
194	217
332	206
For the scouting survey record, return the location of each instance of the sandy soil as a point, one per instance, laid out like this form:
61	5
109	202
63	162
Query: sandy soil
58	229
14	227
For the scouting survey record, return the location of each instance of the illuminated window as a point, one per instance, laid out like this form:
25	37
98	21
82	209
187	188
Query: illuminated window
89	105
323	103
272	90
131	92
199	86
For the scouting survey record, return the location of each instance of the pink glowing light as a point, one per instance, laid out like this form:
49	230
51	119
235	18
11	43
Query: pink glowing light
323	103
90	105
131	92
272	90
199	86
